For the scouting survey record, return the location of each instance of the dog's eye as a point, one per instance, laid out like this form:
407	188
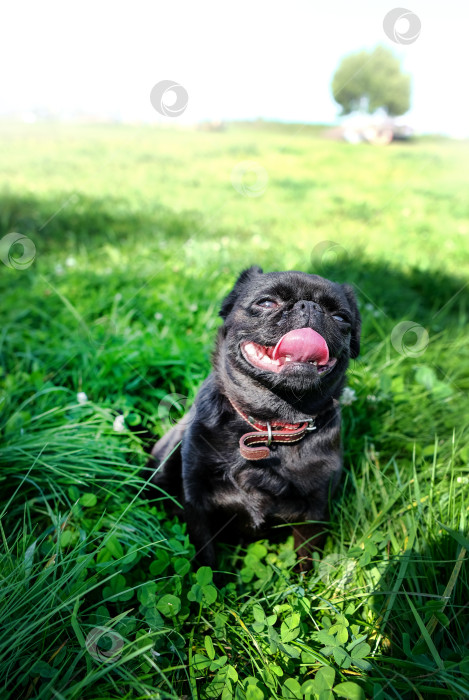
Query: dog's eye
267	303
339	317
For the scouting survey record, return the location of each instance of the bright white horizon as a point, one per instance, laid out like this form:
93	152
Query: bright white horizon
236	61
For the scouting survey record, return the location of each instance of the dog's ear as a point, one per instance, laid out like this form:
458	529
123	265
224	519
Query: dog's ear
230	300
356	320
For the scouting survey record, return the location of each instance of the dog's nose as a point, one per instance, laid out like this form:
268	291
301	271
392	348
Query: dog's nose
308	311
308	306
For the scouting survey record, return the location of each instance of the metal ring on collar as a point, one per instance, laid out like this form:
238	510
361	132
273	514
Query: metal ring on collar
269	431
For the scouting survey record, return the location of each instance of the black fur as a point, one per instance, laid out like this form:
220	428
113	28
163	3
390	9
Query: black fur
224	495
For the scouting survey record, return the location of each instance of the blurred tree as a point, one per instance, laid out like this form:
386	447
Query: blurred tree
368	80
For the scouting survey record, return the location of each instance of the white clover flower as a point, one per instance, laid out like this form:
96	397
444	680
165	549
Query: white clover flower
348	396
82	397
158	316
58	269
70	261
119	424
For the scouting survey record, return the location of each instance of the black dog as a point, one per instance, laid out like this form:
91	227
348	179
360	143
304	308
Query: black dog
261	444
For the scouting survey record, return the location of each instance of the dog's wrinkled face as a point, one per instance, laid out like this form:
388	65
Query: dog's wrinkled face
291	330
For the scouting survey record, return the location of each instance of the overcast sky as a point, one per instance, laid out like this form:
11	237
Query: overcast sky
237	60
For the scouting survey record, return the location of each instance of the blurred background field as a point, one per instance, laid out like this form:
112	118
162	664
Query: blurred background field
139	232
406	204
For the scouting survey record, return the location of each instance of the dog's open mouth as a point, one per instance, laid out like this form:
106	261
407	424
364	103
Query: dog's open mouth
302	345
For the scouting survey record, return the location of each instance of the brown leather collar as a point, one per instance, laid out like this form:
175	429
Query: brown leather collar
268	433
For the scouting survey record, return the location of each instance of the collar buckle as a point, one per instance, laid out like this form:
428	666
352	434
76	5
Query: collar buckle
269	432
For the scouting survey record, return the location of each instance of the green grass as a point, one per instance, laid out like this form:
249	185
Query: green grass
139	233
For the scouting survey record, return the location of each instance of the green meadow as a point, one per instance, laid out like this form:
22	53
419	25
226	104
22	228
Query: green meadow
127	239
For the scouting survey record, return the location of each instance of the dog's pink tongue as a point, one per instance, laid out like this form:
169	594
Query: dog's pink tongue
302	345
